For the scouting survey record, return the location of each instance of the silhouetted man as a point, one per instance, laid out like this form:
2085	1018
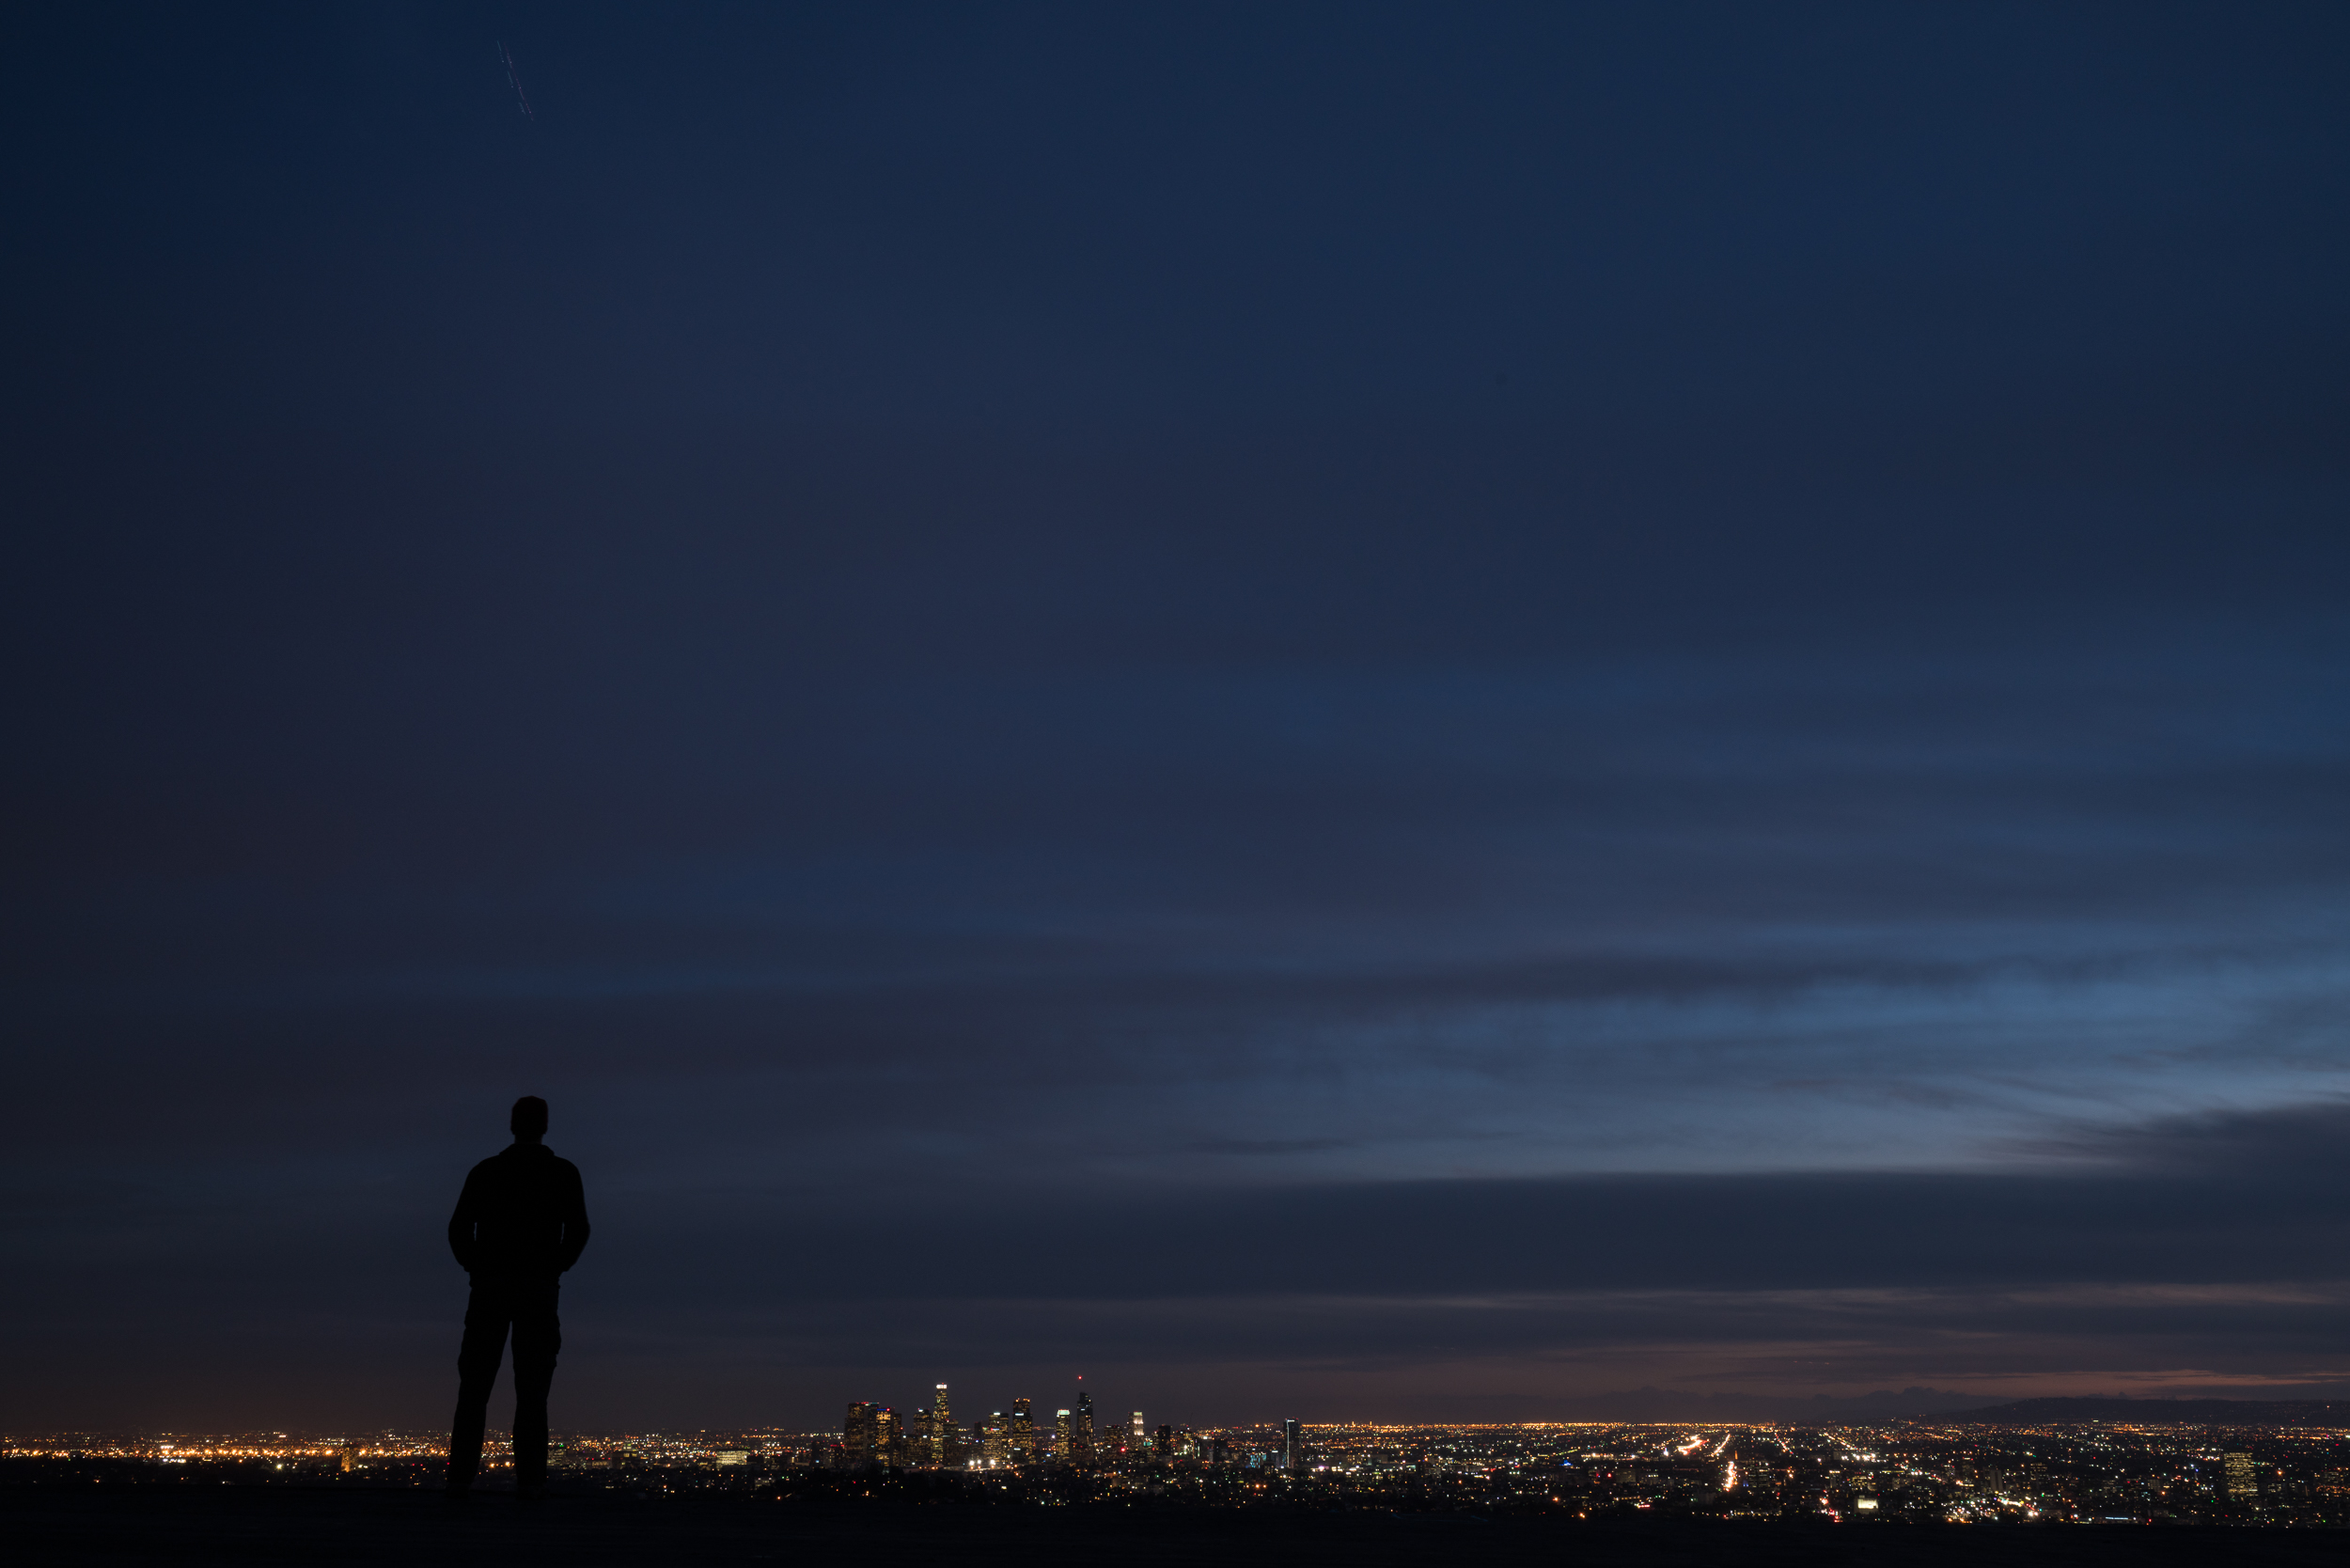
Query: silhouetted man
521	1221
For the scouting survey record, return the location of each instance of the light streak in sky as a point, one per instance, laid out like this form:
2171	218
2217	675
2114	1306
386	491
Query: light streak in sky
514	77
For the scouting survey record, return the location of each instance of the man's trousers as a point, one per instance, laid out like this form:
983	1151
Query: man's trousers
527	1306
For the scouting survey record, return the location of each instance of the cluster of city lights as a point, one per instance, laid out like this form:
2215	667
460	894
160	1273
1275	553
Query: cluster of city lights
2101	1473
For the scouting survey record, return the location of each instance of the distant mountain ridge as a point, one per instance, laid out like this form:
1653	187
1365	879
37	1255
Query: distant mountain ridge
1670	1405
2183	1412
1652	1405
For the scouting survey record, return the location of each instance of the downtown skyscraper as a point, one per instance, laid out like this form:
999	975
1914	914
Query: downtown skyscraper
941	1432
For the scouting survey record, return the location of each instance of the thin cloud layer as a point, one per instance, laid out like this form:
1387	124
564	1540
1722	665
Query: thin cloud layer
2177	1272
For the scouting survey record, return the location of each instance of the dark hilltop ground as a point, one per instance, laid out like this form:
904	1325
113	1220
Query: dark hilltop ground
248	1525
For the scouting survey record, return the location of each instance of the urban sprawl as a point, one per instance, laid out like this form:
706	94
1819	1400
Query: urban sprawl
1912	1472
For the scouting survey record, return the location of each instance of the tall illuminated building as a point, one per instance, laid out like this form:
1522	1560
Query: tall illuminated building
1020	1433
993	1431
942	1430
1292	1456
1081	1451
889	1441
1139	1439
1064	1436
856	1434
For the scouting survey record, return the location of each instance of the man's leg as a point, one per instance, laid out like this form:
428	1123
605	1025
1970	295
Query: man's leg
486	1314
538	1336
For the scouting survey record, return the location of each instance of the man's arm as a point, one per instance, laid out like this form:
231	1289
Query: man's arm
574	1218
460	1237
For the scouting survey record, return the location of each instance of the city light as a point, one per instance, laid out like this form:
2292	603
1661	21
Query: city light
1918	1472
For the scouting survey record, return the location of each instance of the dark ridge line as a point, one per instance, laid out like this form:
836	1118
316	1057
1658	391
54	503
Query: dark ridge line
2164	1412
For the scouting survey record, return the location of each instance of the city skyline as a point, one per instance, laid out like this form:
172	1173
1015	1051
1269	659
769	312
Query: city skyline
2048	1472
1011	1437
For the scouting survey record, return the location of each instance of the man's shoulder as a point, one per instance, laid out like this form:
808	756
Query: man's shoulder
540	1160
528	1162
496	1166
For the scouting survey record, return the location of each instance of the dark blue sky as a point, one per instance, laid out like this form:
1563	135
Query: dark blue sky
1326	710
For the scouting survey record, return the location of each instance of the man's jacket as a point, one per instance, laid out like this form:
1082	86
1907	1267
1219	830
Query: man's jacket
522	1215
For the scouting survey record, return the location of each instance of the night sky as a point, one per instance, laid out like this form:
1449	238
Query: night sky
1352	711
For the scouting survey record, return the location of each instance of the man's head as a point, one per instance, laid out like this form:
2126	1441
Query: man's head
529	1120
